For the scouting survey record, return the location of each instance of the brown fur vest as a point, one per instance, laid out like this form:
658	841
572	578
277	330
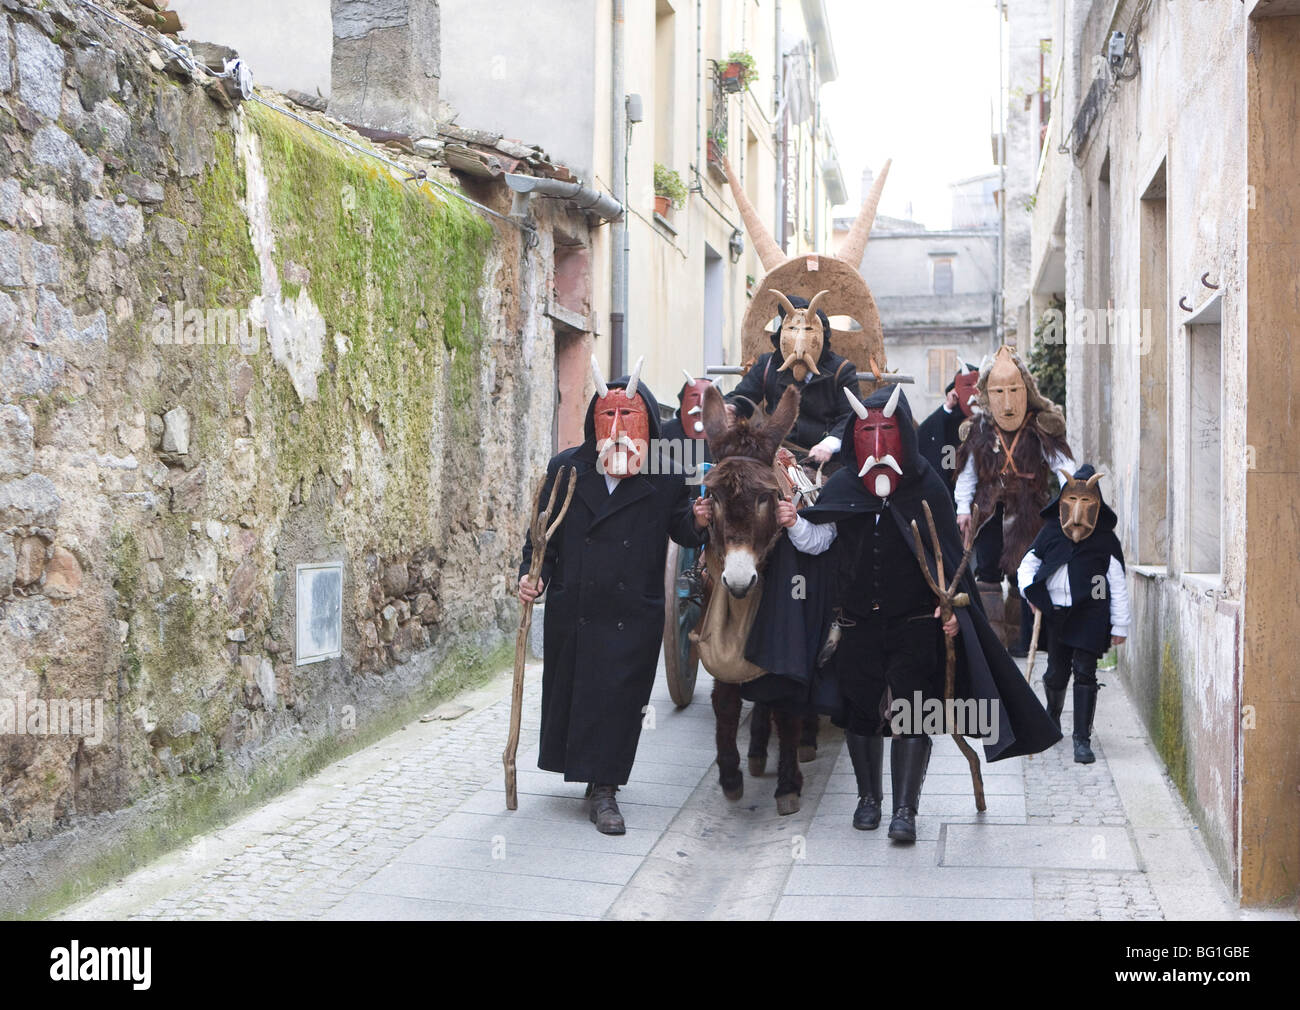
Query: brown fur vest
1022	497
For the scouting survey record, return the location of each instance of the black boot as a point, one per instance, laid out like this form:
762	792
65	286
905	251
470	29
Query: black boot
1085	705
909	756
868	756
1055	702
604	810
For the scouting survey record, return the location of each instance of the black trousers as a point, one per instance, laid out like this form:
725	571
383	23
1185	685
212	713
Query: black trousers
1063	660
880	659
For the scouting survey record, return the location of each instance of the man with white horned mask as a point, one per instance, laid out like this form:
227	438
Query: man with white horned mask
603	576
885	643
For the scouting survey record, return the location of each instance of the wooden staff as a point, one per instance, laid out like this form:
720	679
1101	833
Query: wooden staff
949	599
1033	645
540	534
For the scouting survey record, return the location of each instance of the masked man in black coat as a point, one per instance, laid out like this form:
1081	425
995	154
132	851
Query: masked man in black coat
823	410
603	575
939	436
1074	574
890	653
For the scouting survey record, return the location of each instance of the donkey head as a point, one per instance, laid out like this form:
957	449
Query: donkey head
743	486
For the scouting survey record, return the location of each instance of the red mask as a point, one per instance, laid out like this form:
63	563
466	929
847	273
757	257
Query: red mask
618	422
693	407
878	443
966	387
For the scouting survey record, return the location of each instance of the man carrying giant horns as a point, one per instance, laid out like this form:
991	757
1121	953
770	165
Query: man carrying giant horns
1011	447
603	574
804	292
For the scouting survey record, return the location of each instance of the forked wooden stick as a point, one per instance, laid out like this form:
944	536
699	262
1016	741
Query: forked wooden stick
540	534
949	599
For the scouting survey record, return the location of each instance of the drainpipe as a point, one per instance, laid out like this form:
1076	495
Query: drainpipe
778	124
618	133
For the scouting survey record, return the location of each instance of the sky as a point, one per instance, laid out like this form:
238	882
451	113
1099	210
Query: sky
917	83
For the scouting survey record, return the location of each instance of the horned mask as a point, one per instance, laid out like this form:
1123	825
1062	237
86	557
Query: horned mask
622	425
878	444
964	384
801	336
1080	506
692	401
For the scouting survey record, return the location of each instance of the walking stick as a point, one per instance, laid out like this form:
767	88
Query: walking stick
949	599
1033	645
540	533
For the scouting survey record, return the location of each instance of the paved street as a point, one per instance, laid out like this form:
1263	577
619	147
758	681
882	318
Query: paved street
415	827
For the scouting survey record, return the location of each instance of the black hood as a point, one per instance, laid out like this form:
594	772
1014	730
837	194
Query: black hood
651	406
802	303
1106	519
848	454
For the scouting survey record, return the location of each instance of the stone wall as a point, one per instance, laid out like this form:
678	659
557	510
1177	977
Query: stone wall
230	347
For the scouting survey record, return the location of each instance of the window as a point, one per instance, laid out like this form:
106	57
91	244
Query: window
1204	448
941	270
943	364
665	31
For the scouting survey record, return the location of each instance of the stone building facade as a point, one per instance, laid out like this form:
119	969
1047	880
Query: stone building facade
269	422
1165	212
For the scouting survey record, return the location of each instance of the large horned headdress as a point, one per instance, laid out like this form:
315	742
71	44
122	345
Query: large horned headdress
831	285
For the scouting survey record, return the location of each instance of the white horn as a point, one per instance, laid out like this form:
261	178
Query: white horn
892	405
630	391
601	388
964	369
856	404
689	380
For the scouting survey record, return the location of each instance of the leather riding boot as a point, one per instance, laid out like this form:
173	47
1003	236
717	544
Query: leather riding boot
604	811
1085	705
1055	702
868	756
909	756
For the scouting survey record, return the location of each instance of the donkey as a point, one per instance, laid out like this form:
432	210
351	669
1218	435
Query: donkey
743	531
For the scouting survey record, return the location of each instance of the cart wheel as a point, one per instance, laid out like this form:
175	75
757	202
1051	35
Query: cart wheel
681	614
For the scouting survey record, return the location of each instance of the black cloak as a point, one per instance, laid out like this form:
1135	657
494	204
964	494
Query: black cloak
1086	625
984	669
604	594
823	408
940	436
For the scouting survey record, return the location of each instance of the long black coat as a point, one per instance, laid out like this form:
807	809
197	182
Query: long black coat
823	407
984	669
604	593
938	439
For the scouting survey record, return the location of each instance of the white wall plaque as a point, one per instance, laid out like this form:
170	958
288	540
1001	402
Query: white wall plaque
319	609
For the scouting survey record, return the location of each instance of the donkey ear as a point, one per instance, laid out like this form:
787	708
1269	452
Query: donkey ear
781	420
713	413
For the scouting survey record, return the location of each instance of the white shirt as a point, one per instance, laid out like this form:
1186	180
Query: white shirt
966	482
1058	588
611	482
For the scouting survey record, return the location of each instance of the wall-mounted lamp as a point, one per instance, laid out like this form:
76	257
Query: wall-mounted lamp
737	245
1115	52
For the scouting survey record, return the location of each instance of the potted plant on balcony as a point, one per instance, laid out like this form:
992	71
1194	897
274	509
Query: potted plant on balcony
717	147
739	70
670	191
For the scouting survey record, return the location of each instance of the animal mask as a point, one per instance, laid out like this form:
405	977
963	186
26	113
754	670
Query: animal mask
1080	506
1007	394
878	443
802	336
622	426
965	385
692	399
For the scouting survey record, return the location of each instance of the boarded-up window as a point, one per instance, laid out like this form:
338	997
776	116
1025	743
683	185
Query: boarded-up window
943	364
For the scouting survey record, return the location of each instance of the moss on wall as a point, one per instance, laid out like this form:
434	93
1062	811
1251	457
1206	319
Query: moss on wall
395	269
1169	728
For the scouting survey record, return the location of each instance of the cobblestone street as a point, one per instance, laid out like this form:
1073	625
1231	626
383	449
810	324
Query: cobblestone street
415	827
